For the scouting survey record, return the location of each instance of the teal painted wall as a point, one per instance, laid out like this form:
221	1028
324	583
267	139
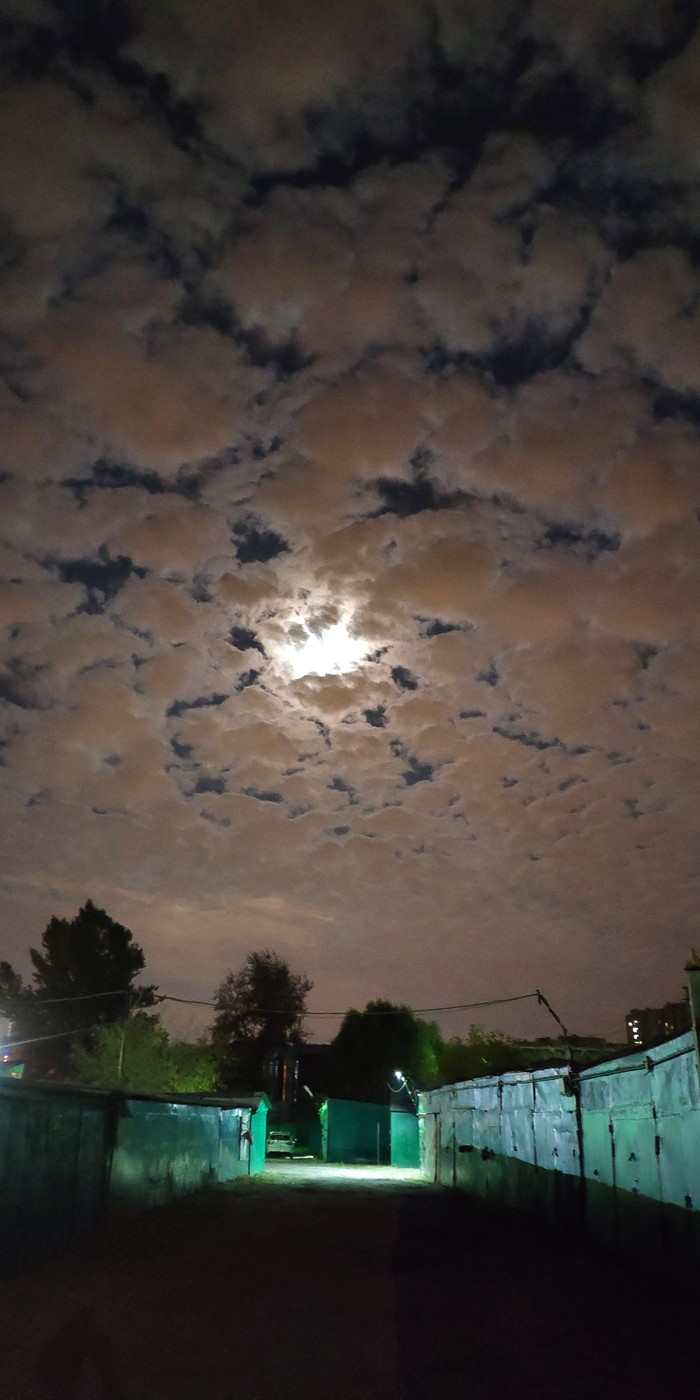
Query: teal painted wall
355	1132
165	1150
54	1167
68	1156
405	1146
258	1128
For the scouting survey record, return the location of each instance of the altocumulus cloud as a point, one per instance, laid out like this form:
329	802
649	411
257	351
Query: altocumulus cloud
376	316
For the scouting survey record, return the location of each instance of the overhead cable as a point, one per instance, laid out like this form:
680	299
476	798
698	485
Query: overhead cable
84	996
57	1035
390	1011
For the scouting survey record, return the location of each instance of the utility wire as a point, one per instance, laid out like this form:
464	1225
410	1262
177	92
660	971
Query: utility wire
271	1011
85	996
58	1035
275	1010
393	1011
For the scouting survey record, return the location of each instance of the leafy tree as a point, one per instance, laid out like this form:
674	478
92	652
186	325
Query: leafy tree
10	985
152	1062
92	958
373	1043
482	1053
259	1009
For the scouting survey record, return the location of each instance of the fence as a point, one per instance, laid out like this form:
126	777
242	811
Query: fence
615	1147
70	1156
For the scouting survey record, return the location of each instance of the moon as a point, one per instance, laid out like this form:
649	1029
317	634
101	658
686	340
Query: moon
333	651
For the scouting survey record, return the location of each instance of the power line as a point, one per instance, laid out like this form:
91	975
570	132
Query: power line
84	996
275	1010
391	1011
268	1011
57	1035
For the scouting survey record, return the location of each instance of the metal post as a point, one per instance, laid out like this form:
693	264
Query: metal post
122	1043
565	1034
692	968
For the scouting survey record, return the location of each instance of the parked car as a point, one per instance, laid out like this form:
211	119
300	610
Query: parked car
281	1142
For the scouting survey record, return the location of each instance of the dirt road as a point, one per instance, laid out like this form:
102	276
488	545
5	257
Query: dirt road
318	1285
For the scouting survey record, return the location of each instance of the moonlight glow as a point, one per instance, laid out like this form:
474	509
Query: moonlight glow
331	652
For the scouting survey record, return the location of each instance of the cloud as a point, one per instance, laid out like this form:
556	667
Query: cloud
374	315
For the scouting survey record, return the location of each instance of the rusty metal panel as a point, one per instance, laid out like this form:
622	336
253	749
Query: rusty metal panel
427	1125
163	1150
555	1125
486	1116
675	1086
679	1160
54	1154
518	1126
486	1129
463	1120
630	1090
636	1159
595	1093
446	1148
232	1161
517	1138
465	1095
675	1089
599	1157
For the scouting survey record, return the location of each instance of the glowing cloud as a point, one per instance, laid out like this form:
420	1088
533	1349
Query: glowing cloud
330	652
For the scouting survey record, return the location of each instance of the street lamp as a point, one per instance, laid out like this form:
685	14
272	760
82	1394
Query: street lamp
404	1083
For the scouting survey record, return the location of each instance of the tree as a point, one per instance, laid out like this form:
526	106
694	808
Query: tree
152	1063
259	1009
482	1053
83	976
372	1044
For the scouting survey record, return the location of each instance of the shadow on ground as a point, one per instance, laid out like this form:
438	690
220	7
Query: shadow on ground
305	1285
489	1305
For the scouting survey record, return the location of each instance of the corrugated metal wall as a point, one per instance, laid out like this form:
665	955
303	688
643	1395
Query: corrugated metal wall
165	1150
641	1132
68	1156
512	1138
617	1146
55	1149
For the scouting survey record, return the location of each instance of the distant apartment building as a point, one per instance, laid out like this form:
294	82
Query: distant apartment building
650	1024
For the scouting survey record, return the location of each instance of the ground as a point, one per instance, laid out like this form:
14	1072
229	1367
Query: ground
314	1283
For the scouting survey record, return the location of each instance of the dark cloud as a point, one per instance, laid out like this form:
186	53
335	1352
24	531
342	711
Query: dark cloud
244	639
377	717
435	627
403	678
257	545
114	476
417	772
405	498
15	692
102	577
181	750
490	675
207	784
202	702
530	738
589	543
247	678
262	795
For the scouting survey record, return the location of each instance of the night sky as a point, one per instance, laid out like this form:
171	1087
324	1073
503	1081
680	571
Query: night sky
376	322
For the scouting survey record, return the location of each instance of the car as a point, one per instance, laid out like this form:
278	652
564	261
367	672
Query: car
281	1142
